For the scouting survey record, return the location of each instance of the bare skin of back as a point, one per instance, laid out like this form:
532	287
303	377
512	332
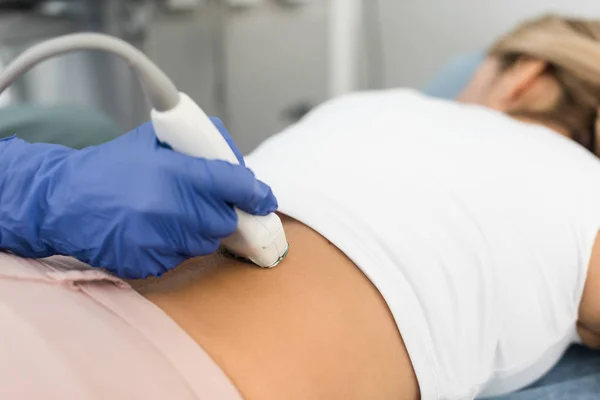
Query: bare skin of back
312	328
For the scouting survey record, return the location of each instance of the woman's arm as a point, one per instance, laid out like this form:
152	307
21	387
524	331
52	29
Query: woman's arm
589	308
588	337
312	328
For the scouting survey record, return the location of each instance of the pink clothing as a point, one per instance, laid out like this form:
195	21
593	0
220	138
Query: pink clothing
71	332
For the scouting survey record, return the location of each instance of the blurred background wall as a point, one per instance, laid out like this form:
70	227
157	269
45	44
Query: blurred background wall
258	66
275	61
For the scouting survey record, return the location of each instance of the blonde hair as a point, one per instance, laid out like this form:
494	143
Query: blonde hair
571	47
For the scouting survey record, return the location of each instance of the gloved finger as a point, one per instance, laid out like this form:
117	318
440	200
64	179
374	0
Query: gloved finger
221	127
216	219
238	186
202	246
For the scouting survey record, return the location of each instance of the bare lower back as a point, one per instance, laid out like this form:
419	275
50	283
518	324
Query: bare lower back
314	327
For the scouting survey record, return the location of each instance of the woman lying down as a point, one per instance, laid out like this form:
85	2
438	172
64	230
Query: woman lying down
439	250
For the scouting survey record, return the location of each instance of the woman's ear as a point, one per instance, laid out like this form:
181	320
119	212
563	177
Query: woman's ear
525	86
478	88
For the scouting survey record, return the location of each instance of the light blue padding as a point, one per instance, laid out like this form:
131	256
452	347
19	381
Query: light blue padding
70	125
577	375
452	78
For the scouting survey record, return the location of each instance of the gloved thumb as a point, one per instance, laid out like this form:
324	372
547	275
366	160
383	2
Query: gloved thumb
237	185
225	133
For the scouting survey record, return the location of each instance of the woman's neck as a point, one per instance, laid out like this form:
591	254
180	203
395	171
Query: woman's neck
548	124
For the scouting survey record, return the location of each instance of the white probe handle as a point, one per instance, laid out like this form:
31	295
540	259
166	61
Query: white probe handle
187	129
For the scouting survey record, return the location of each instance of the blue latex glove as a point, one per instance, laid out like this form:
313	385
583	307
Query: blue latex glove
130	205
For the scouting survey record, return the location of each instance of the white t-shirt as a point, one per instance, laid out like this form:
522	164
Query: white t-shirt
476	228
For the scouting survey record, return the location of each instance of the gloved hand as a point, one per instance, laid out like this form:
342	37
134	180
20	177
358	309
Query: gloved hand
130	205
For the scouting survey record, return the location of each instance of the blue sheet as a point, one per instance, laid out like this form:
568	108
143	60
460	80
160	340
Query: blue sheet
577	375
